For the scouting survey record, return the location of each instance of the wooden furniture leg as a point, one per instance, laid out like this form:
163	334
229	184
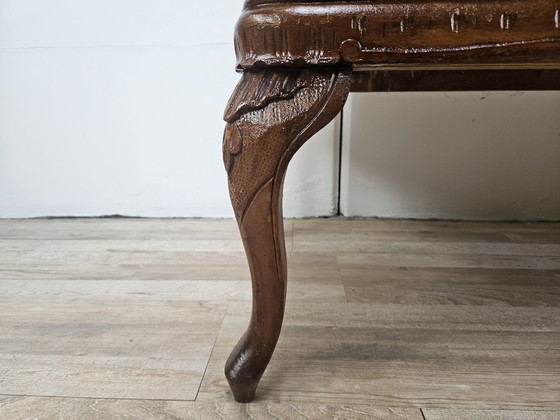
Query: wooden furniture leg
270	115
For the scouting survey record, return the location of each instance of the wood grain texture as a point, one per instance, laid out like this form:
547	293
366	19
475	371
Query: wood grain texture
469	341
105	348
452	286
195	266
307	289
469	245
344	244
107	229
449	414
533	262
551	237
422	227
410	356
19	408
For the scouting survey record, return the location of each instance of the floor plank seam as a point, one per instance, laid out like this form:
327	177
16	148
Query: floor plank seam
451	332
219	330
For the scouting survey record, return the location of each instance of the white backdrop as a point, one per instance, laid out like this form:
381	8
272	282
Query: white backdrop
115	106
460	155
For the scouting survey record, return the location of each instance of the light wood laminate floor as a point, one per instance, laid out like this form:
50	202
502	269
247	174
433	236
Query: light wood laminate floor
134	318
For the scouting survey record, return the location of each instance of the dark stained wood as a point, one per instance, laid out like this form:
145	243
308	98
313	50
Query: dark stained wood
297	59
271	114
454	80
475	32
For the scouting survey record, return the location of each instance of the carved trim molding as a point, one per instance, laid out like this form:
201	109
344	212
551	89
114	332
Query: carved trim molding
272	34
353	52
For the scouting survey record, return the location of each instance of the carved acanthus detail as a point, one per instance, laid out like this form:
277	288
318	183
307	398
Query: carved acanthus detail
267	116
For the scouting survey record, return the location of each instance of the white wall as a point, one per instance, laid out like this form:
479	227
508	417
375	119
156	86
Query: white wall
114	107
466	155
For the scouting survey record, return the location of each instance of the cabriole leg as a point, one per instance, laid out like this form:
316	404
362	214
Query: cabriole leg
270	115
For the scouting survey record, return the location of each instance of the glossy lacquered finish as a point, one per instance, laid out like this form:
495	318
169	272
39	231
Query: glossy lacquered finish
298	60
398	32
